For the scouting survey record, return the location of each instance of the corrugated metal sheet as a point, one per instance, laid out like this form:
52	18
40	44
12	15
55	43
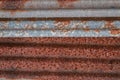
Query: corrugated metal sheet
59	8
59	18
59	4
60	58
60	28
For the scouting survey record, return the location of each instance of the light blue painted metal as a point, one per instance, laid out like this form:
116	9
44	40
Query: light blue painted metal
52	28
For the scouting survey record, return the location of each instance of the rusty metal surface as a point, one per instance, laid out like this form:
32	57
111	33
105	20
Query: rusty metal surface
34	10
60	28
59	4
59	8
59	58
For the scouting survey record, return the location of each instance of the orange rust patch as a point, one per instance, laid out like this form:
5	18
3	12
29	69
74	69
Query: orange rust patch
87	29
109	24
66	3
62	24
115	32
97	30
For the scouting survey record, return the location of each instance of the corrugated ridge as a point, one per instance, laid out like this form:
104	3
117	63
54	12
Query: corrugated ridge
53	59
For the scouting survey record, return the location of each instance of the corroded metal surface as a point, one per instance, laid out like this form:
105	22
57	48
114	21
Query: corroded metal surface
59	4
37	9
57	28
59	8
60	58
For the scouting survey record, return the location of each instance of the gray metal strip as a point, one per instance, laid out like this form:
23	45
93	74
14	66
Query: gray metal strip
55	4
61	13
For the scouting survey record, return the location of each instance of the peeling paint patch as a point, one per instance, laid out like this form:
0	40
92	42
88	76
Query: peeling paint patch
115	32
109	24
62	24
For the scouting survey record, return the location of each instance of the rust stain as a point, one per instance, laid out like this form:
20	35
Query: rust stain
109	24
62	24
87	29
66	3
97	30
114	30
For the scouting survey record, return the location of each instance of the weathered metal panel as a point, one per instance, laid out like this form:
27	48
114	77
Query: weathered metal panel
59	4
59	28
60	58
60	8
34	10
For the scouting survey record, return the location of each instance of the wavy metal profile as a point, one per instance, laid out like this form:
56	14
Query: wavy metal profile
59	18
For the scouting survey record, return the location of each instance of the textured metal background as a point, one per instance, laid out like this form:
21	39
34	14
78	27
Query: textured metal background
59	58
29	18
59	8
60	28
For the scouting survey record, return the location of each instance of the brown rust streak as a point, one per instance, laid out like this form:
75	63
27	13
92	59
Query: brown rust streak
63	19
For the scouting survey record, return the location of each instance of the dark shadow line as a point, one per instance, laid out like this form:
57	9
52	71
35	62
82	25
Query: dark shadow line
57	8
57	45
60	73
60	58
62	19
